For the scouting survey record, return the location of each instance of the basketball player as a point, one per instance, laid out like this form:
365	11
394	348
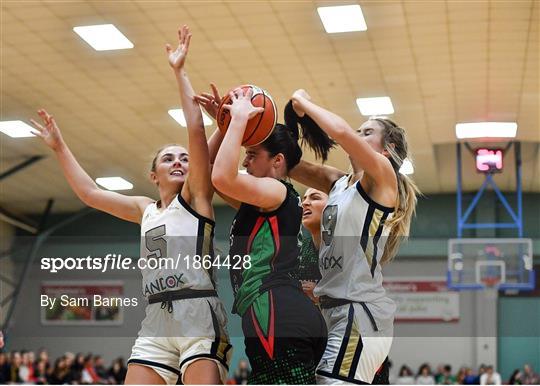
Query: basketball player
285	334
313	204
367	213
183	336
309	275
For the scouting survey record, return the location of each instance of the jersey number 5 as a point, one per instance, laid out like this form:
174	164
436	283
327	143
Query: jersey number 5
329	223
155	243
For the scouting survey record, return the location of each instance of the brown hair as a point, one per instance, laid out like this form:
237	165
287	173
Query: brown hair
405	207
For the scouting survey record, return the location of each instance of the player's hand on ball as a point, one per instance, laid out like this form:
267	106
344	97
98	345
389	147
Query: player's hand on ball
177	57
241	104
208	101
49	131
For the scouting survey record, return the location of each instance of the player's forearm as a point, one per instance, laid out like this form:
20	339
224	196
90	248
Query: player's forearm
81	183
315	176
214	143
226	164
192	111
331	123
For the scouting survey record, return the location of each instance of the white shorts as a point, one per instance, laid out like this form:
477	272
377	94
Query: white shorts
357	345
169	342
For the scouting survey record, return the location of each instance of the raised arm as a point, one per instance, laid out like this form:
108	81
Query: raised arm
266	193
128	208
374	164
210	103
198	189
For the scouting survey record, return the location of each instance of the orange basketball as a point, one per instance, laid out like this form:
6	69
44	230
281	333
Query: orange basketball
261	125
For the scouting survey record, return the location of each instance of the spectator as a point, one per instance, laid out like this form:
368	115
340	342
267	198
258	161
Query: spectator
424	376
242	372
99	365
529	376
60	373
26	369
75	365
470	378
446	377
439	373
43	356
1	340
15	364
490	377
481	371
88	374
516	378
40	375
4	368
118	371
405	376
460	377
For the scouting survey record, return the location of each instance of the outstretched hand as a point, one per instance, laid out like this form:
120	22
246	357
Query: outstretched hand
241	104
208	101
177	57
49	131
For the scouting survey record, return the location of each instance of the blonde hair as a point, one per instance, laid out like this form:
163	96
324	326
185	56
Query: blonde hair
405	207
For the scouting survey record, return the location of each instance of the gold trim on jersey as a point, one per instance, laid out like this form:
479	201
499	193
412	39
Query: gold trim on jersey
374	226
354	340
207	239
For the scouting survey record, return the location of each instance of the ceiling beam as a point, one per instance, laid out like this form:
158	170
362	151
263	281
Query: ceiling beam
21	166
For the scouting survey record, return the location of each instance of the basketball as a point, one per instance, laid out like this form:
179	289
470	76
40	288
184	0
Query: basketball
260	126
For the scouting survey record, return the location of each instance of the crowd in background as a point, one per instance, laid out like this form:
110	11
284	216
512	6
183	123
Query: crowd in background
485	375
29	367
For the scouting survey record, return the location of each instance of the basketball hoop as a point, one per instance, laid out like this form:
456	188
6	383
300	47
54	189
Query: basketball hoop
491	281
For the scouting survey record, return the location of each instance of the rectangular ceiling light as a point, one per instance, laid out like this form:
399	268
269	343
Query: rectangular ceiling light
486	130
114	183
178	116
375	106
406	167
342	18
103	37
16	129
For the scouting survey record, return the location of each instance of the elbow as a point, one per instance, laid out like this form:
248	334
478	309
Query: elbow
86	198
341	130
220	180
89	197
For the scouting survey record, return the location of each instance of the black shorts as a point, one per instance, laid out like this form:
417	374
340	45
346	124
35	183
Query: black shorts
382	376
285	337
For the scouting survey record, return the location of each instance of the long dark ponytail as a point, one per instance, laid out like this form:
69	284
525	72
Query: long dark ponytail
312	134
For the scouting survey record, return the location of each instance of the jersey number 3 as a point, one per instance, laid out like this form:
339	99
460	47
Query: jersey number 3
155	243
330	214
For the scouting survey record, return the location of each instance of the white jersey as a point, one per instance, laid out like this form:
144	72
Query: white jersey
183	236
353	239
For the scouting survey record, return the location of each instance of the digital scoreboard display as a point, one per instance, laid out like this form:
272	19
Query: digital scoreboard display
489	160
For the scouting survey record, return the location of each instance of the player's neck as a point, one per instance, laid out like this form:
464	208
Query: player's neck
166	197
356	175
317	239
